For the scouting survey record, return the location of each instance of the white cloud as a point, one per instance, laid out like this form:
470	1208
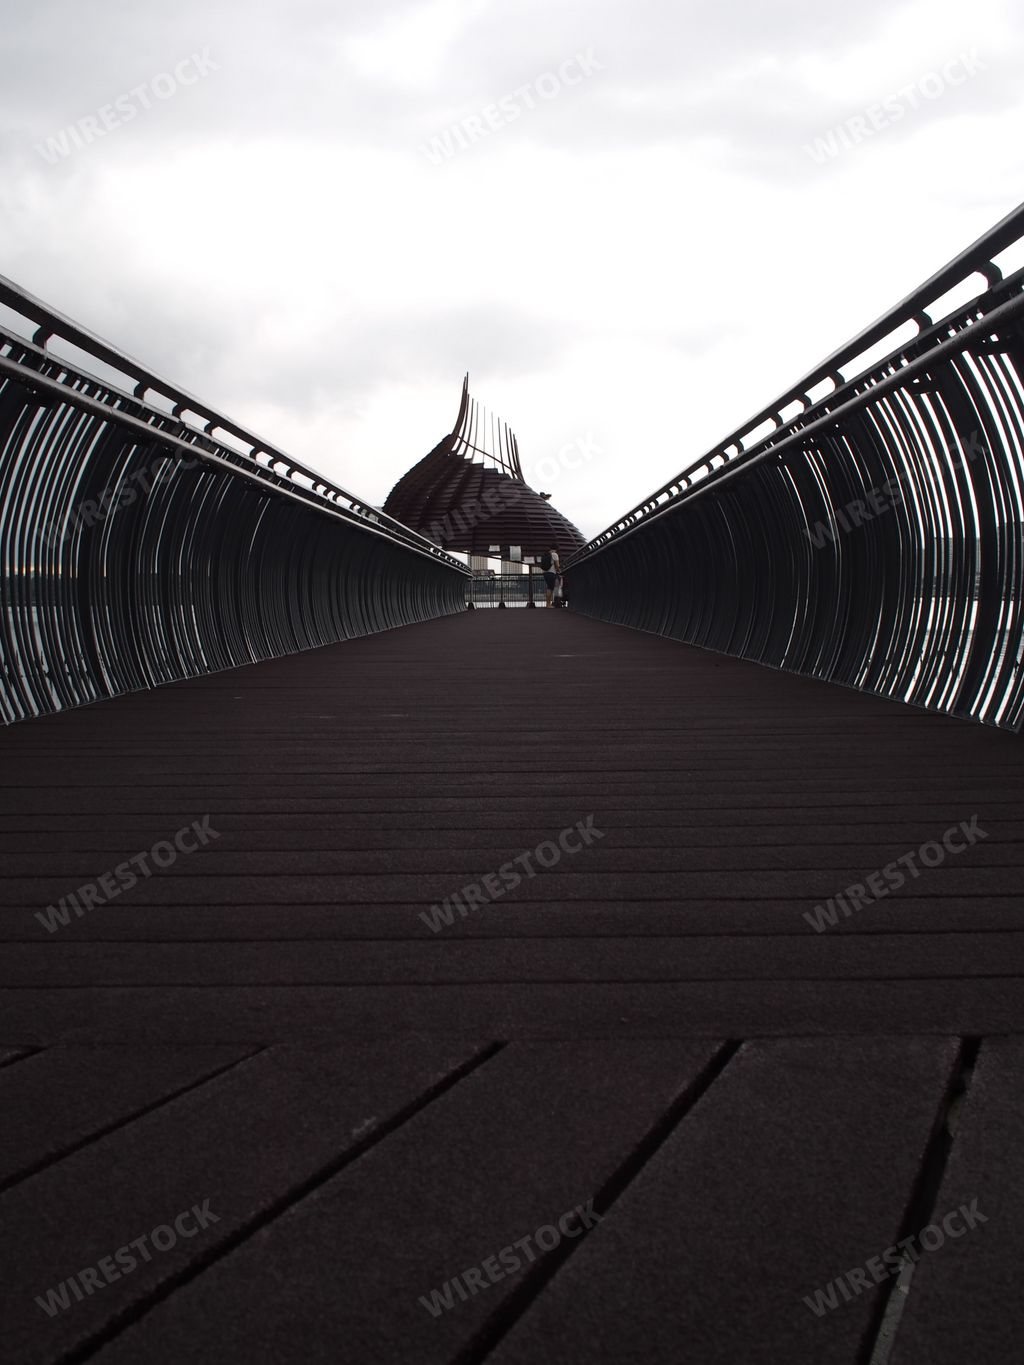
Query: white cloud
651	256
408	50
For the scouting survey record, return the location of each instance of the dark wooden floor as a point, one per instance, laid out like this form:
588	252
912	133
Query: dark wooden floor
370	1109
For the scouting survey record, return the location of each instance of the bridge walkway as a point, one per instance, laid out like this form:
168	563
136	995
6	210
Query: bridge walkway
381	1117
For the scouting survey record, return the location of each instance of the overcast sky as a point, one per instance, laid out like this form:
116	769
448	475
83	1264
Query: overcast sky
643	258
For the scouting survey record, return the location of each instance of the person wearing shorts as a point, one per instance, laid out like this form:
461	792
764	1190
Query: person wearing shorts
551	577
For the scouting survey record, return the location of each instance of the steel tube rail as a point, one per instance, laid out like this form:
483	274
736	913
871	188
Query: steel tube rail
874	537
136	549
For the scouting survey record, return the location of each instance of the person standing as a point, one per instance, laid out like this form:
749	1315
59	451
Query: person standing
551	567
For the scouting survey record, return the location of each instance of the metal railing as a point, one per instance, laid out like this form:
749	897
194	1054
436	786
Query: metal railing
145	538
506	590
868	527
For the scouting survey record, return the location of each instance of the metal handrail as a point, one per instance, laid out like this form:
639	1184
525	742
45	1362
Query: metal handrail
738	448
875	538
50	324
137	550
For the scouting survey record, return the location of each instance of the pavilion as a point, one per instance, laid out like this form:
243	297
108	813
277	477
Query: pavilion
469	494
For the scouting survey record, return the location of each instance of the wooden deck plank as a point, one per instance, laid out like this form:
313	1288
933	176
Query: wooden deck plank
536	1010
624	958
248	1143
514	1147
964	1300
63	1097
796	1166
